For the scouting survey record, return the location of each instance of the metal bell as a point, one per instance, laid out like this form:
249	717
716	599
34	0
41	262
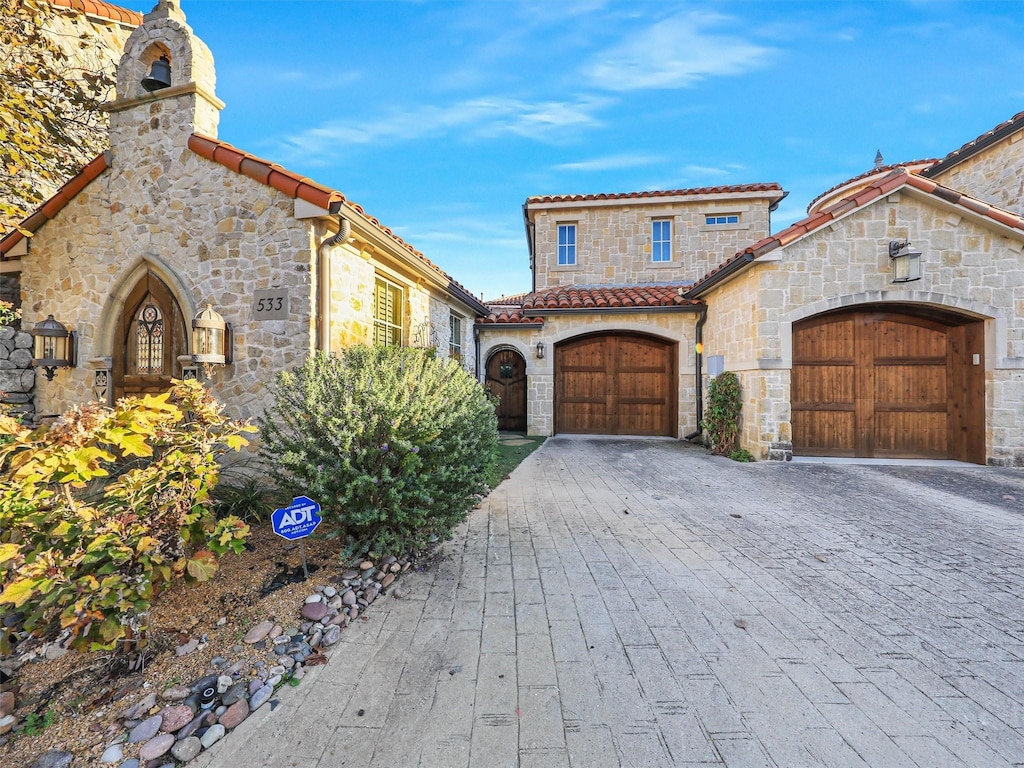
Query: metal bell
159	76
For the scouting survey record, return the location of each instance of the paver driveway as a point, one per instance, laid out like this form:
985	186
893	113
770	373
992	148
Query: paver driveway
640	603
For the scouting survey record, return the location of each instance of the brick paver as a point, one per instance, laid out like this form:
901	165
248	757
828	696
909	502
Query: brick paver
641	603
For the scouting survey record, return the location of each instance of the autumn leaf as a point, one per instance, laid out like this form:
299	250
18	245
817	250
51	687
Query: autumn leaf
202	565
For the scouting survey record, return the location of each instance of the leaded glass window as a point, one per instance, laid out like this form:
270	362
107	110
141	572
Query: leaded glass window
149	340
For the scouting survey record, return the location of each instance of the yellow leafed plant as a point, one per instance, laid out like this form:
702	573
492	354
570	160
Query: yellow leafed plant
103	508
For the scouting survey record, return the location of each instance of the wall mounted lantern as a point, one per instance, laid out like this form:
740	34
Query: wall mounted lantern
159	75
53	347
906	262
211	338
540	350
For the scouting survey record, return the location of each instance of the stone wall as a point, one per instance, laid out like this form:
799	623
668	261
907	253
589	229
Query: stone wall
17	376
675	326
995	175
613	242
966	267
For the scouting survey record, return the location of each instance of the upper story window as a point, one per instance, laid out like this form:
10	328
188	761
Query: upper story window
455	338
566	244
721	218
661	240
387	313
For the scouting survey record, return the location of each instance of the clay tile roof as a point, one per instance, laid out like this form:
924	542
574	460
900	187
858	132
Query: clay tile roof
915	166
898	178
512	316
103	10
579	297
295	186
973	147
55	204
722	190
516	298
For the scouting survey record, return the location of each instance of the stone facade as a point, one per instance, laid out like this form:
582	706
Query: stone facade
613	245
678	327
995	175
17	376
969	267
212	235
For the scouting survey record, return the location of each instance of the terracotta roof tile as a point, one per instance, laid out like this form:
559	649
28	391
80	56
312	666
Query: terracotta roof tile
577	297
508	317
721	190
516	298
897	179
914	166
103	10
293	185
973	147
55	204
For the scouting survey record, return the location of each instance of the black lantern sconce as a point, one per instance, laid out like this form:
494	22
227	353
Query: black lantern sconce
159	75
212	340
906	262
540	350
53	346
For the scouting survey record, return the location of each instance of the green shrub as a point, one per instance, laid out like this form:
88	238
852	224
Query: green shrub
741	454
106	506
394	443
722	416
243	491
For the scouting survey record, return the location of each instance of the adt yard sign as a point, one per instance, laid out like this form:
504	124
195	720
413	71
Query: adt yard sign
297	520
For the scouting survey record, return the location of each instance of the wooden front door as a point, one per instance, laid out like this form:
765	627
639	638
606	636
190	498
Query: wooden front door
881	383
151	336
615	384
506	380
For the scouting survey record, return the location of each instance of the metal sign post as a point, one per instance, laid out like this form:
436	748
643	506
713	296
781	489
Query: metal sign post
297	521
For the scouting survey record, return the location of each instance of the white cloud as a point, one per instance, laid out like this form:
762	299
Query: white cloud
610	163
485	117
705	171
676	52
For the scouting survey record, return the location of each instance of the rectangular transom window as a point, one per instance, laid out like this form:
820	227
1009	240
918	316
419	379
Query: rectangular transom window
661	240
721	218
387	313
566	245
455	340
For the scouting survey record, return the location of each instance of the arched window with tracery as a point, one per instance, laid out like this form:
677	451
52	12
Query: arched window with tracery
149	339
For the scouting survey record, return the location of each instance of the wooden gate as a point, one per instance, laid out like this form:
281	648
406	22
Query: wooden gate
151	336
506	380
889	383
616	384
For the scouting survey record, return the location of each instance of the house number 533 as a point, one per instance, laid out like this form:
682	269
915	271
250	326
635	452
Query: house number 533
270	304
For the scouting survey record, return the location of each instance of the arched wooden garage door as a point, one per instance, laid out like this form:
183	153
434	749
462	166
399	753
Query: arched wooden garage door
876	382
615	384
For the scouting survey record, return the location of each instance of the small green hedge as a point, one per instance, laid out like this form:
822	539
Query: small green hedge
394	443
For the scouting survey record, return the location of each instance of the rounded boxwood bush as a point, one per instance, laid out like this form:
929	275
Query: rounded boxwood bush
394	443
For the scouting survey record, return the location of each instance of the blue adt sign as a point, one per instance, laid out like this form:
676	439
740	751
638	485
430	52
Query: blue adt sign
297	520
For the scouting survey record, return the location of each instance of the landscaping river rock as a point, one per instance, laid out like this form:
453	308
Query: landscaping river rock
179	721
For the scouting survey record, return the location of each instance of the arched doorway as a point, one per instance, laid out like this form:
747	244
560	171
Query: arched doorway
616	384
890	381
150	336
506	380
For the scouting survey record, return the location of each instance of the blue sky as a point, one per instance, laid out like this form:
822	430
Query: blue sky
440	117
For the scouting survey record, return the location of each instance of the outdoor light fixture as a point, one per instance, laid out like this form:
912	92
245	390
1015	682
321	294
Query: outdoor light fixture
211	338
540	350
53	347
906	262
159	75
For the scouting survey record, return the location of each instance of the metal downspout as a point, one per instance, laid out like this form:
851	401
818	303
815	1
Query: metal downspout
699	365
323	278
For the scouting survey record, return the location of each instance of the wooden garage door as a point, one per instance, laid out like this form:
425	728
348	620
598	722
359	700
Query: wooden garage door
615	384
873	383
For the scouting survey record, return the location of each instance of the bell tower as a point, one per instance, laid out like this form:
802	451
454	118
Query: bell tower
165	86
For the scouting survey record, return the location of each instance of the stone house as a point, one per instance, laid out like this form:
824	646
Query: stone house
888	323
603	344
172	219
